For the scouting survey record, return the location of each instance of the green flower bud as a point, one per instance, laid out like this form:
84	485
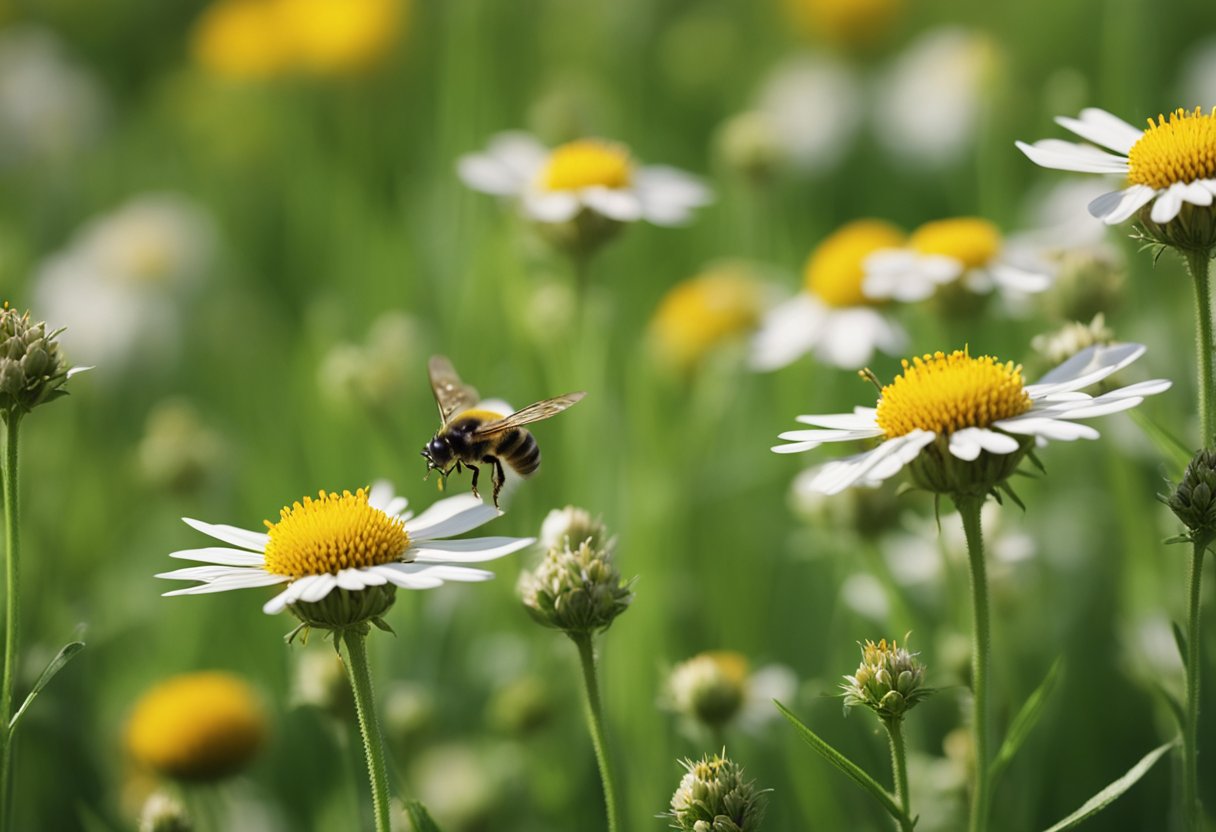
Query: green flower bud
162	813
32	368
568	527
714	797
576	588
1194	229
889	681
1194	500
710	687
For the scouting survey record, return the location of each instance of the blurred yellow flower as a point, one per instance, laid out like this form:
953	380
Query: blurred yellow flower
703	312
257	39
970	240
834	270
850	23
197	726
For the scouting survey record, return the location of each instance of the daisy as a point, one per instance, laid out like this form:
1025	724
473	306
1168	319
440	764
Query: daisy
969	251
346	542
962	414
557	185
1171	163
832	317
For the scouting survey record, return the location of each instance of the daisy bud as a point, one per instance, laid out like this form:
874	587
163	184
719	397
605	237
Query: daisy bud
178	452
710	687
889	681
576	588
1194	500
714	797
162	813
1194	229
568	527
32	368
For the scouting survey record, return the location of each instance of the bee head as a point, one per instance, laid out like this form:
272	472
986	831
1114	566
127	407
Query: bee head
438	454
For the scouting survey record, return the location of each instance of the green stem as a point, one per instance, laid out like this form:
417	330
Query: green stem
899	771
1191	808
1197	263
369	727
969	509
595	722
12	550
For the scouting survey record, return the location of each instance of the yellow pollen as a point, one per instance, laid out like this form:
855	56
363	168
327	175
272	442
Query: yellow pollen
332	533
944	393
834	272
1181	149
587	163
970	240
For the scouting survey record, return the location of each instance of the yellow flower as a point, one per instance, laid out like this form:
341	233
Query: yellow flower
850	23
703	312
240	39
197	726
834	272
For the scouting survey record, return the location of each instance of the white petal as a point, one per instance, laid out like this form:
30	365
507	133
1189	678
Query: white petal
351	579
1047	428
393	572
445	572
1061	155
469	550
519	151
218	554
828	435
878	464
250	581
1087	367
966	444
320	586
75	370
209	573
558	206
1100	127
862	418
1119	206
380	494
1122	399
789	331
450	517
795	447
620	205
488	175
907	276
1168	204
1196	194
279	602
244	538
850	336
1019	280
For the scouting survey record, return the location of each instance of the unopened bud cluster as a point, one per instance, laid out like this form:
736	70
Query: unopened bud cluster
710	687
1194	500
1054	348
576	588
714	797
889	681
32	367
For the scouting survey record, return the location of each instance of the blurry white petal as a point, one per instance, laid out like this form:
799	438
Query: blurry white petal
620	205
788	331
559	206
1017	279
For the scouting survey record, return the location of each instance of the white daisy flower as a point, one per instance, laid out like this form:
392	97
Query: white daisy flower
832	317
1171	163
349	542
968	250
556	185
958	408
813	105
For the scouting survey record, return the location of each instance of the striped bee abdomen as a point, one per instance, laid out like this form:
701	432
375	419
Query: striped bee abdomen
519	450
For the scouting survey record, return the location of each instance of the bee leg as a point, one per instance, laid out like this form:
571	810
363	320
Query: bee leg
476	473
497	475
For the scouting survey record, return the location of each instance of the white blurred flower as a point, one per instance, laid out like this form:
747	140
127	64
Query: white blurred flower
49	106
927	104
718	688
813	106
461	785
864	594
379	370
119	285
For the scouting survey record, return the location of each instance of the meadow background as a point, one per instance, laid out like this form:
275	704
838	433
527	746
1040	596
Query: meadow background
333	202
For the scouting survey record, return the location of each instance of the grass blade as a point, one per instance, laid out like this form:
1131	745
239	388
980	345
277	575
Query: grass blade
853	771
1026	719
420	818
1112	792
61	658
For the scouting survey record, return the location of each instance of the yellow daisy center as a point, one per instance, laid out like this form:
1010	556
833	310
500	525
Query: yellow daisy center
834	271
970	240
332	533
1181	149
197	726
856	23
701	313
944	393
587	163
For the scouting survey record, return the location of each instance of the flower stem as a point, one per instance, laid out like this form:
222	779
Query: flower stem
969	509
899	771
1191	808
369	726
1197	263
12	550
595	722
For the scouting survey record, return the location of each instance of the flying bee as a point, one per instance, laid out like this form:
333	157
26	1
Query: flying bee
469	436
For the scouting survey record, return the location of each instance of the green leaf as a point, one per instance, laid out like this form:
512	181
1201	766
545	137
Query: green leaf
1180	640
1115	790
1026	719
1174	705
420	818
61	658
1167	443
853	771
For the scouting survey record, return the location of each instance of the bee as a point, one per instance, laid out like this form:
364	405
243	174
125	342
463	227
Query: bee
469	436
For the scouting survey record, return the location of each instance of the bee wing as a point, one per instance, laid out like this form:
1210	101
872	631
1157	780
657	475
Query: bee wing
451	394
531	413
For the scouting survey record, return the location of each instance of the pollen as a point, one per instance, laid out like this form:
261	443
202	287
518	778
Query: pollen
1180	149
944	393
587	163
970	240
834	272
331	533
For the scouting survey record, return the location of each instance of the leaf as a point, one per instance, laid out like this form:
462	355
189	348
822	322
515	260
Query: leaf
1167	443
853	771
420	818
1115	790
1174	705
1180	640
61	658
1025	720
